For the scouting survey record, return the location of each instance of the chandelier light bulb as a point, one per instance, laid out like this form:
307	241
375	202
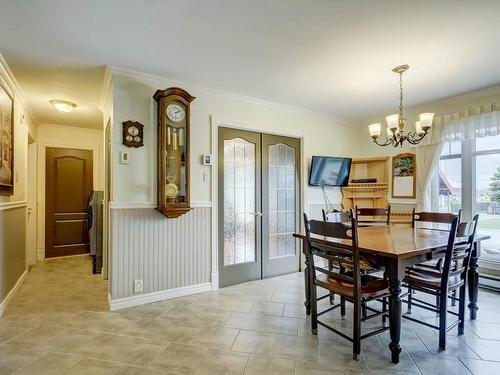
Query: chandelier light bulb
392	121
374	130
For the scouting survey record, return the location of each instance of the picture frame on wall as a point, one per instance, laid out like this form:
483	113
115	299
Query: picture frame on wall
404	176
6	141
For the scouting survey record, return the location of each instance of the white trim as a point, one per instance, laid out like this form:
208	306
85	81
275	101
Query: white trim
162	295
105	89
12	205
215	123
165	81
8	297
215	280
144	205
411	203
221	122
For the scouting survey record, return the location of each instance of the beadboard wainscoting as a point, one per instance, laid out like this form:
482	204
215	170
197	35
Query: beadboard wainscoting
171	256
314	210
12	249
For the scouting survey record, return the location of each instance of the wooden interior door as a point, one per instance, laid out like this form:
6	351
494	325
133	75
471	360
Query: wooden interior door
68	185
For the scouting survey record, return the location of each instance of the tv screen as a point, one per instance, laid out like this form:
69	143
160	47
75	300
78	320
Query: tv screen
329	171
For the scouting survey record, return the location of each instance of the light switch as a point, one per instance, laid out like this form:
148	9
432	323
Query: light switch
124	157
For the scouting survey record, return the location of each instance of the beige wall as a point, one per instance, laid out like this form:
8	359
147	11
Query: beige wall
13	208
66	137
152	239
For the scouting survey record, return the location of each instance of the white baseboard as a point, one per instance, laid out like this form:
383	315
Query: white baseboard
162	295
8	297
215	280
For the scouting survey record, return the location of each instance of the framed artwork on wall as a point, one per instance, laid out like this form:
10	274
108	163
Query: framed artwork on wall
404	176
6	141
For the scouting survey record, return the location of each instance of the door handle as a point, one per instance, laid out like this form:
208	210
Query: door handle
255	213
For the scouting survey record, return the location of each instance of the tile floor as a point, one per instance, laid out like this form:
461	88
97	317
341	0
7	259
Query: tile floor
58	323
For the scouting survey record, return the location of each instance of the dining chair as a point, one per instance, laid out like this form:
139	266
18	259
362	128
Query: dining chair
445	281
366	267
375	213
354	286
434	218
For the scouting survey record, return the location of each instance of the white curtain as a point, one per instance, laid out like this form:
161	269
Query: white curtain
478	122
427	161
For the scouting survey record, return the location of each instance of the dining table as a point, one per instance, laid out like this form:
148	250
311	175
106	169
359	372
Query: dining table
395	247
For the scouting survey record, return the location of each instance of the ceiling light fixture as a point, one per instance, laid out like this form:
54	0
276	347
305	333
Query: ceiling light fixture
63	105
396	123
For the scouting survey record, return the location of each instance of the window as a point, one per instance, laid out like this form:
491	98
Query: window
449	176
468	178
487	193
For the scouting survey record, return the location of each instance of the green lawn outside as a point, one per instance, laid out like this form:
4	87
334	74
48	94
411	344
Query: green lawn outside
490	223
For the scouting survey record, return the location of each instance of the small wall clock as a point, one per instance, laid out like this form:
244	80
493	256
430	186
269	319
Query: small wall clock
133	134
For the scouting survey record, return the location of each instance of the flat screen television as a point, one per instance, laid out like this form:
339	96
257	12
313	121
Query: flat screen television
329	171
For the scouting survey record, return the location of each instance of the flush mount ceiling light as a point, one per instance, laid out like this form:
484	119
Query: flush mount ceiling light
63	105
396	135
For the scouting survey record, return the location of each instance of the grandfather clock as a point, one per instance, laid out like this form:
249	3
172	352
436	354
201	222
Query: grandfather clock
173	151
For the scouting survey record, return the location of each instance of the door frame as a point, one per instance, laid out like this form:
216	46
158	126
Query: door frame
42	174
217	122
31	212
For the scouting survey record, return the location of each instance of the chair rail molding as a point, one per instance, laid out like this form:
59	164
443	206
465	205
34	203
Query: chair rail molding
12	205
115	205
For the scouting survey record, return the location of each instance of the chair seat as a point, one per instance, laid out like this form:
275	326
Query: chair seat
430	282
364	266
431	264
371	286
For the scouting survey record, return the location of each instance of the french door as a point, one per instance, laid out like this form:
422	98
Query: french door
259	200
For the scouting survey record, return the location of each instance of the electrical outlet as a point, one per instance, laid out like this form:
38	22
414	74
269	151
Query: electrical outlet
138	286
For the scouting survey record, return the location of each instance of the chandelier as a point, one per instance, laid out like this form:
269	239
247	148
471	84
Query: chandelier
396	135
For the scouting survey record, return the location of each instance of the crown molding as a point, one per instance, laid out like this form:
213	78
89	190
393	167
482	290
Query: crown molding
14	86
166	81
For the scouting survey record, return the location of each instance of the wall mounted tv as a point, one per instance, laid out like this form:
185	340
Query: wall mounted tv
329	171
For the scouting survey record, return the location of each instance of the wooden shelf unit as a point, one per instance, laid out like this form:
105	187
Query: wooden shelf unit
367	194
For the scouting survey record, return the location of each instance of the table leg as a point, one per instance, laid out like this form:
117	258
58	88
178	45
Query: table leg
395	317
474	281
307	302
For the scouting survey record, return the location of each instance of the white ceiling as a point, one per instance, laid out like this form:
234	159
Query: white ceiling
331	57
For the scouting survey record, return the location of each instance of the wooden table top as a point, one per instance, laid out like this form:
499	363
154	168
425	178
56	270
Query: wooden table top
395	241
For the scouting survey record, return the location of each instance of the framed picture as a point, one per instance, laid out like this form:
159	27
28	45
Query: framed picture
404	176
6	141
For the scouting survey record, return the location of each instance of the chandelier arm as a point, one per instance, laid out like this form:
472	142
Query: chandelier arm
413	138
386	143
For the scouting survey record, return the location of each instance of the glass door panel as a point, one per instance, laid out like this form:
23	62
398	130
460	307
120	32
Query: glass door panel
239	201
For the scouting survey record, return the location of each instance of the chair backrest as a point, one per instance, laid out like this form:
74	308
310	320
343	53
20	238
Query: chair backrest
374	213
434	217
337	217
347	254
457	258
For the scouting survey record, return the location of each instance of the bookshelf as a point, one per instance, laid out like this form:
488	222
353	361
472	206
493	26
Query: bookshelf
367	194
